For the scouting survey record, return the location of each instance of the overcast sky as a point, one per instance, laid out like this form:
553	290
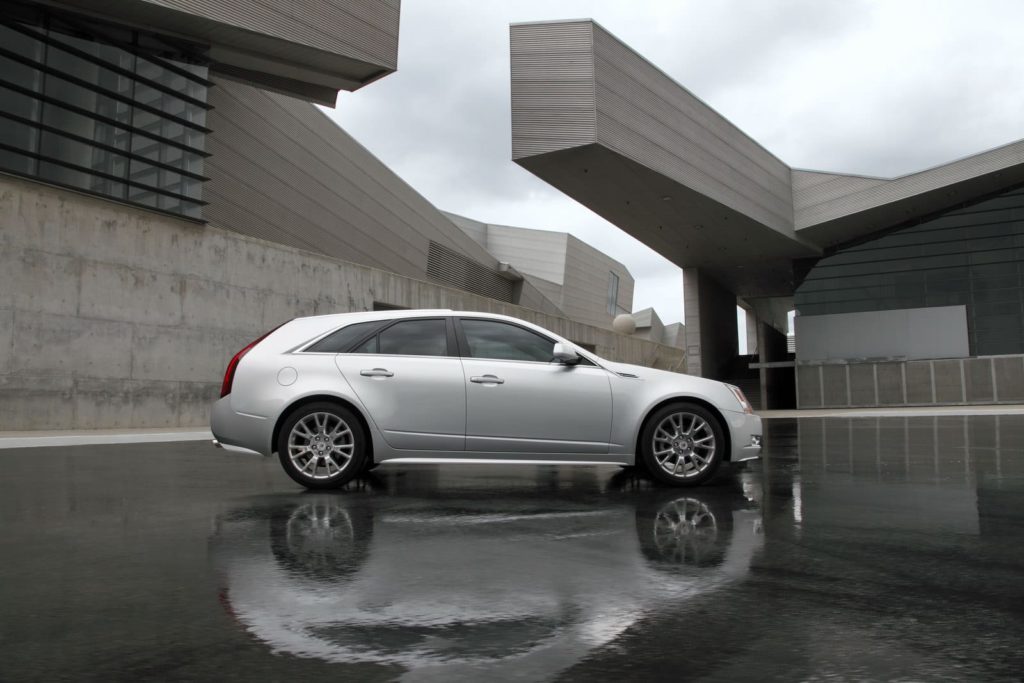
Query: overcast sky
874	87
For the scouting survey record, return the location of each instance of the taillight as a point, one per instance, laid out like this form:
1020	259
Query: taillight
229	374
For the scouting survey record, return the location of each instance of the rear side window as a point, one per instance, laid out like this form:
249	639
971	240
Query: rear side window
410	338
343	339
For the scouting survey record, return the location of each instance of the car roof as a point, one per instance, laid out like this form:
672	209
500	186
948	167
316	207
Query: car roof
320	324
356	316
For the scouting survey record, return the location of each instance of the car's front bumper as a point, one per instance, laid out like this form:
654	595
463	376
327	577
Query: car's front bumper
746	436
249	432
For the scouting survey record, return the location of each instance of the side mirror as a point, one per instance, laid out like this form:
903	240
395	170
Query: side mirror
563	353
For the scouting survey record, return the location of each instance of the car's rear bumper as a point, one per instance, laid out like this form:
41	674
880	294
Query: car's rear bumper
746	436
239	430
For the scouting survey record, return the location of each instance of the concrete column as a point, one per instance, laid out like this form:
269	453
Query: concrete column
752	346
711	335
777	384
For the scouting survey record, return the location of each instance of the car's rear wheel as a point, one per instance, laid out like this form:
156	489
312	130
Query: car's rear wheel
322	445
682	444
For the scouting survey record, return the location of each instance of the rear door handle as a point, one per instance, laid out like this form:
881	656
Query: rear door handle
487	379
377	372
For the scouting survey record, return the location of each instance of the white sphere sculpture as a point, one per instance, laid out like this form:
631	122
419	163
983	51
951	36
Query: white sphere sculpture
624	323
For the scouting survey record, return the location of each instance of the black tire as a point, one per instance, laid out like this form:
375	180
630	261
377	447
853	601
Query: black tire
347	438
694	462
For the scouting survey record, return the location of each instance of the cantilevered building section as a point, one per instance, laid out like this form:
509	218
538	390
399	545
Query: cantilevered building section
596	120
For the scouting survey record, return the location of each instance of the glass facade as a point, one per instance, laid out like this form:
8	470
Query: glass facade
103	109
972	256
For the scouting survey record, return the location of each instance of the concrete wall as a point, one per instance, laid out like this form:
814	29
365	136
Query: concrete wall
913	333
118	317
955	381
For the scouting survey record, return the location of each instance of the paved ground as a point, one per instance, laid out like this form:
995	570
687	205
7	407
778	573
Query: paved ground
860	549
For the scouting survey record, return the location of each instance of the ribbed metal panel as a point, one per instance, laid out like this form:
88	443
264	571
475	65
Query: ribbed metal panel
449	267
282	171
646	154
646	115
309	48
362	29
850	195
812	189
552	87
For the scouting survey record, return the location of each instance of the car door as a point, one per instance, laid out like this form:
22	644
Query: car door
410	378
519	401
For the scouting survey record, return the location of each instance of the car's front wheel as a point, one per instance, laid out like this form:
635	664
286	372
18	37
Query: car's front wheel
682	444
322	445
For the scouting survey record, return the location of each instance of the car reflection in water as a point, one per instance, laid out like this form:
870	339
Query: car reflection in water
516	584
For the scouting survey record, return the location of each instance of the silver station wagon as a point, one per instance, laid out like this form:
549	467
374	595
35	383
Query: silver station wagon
335	395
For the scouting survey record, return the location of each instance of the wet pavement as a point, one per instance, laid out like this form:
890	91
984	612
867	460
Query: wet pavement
859	549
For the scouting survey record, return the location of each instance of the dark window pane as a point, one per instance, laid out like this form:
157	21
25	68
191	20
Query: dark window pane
96	90
84	180
18	135
415	338
489	339
369	346
18	104
342	340
24	138
25	46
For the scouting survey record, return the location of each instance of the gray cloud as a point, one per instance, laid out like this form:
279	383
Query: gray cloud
863	86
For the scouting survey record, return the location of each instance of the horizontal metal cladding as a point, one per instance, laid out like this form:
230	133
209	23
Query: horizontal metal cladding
847	195
360	29
812	189
282	171
449	267
552	87
647	116
307	48
972	257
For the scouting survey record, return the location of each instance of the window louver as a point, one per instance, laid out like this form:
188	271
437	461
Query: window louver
449	267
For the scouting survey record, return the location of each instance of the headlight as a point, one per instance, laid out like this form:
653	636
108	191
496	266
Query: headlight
744	403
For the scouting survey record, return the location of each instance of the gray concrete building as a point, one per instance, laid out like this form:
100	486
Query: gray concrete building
650	327
586	284
169	191
908	290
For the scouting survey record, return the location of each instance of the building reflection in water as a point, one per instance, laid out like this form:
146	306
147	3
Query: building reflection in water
474	581
882	472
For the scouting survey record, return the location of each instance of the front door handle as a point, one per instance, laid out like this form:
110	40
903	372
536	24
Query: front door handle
377	372
487	379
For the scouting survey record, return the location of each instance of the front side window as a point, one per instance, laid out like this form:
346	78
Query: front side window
503	341
414	338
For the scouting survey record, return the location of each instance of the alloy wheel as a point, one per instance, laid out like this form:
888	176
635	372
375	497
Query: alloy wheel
321	445
683	444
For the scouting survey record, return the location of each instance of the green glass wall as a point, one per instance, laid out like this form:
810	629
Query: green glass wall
972	256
